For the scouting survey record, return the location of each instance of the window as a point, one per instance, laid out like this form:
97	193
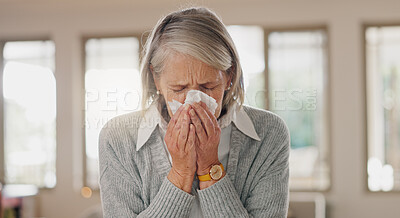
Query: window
249	42
294	87
383	107
29	92
113	87
296	75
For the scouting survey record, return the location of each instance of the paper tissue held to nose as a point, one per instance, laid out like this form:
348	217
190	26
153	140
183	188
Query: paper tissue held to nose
195	96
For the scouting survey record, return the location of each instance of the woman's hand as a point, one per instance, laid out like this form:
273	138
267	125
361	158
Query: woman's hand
208	135
180	141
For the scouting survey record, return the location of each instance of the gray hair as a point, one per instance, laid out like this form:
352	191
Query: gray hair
197	32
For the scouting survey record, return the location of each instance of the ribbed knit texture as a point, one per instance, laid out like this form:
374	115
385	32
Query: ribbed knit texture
134	183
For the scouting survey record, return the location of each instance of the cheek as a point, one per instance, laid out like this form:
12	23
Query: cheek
218	95
170	95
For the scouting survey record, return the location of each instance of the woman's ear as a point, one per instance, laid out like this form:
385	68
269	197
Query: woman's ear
229	78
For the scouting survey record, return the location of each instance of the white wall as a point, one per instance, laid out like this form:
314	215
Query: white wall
67	21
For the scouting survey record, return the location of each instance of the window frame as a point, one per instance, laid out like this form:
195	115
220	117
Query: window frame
84	38
2	155
326	84
364	68
3	42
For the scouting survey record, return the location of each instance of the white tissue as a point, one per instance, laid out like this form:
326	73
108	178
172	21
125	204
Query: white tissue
195	96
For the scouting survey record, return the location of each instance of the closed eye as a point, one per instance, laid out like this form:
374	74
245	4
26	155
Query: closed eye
210	88
178	90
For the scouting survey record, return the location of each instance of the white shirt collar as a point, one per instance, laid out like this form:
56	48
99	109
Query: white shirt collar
153	117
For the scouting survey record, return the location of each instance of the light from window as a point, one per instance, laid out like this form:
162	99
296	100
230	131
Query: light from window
29	90
295	91
383	107
249	42
296	74
113	87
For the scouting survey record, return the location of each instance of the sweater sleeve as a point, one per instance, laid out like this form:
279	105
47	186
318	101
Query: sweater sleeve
268	197
121	190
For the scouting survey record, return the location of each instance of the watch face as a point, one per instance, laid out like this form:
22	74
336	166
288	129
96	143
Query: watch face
216	172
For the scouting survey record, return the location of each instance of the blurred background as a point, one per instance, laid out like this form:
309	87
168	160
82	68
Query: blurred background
330	69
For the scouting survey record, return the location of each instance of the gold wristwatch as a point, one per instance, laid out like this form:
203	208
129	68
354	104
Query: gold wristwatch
215	173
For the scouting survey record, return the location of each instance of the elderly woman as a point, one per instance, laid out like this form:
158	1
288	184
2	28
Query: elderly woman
232	162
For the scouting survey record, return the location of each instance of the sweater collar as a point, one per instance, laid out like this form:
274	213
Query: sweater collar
152	118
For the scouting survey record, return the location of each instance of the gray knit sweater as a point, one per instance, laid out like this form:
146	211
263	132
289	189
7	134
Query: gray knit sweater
134	183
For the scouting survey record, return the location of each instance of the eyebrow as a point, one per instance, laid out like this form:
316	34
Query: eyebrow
181	84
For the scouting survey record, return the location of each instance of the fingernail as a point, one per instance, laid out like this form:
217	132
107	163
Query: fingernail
187	107
191	112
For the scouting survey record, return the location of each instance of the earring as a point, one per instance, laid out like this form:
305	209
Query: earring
158	92
229	88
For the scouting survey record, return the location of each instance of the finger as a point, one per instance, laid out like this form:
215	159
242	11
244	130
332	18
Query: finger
178	125
183	132
172	135
175	117
198	126
196	142
173	121
191	138
211	115
205	119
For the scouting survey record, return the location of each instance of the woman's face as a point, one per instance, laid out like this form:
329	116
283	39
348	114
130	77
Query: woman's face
183	73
